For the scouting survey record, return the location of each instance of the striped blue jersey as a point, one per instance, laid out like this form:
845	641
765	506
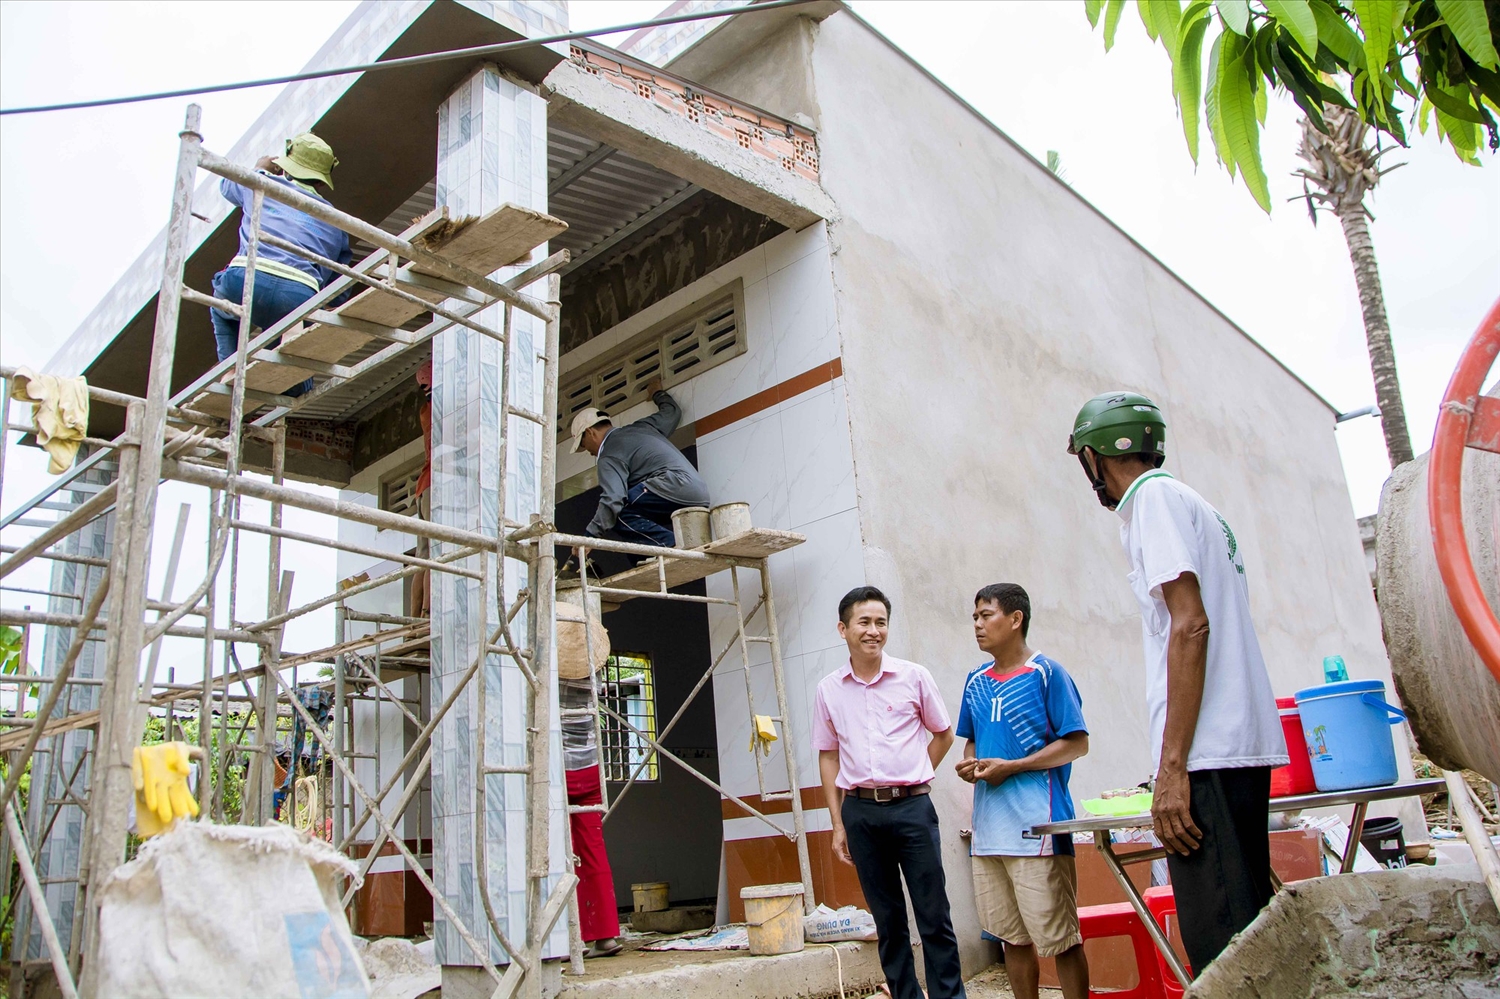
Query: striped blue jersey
1010	716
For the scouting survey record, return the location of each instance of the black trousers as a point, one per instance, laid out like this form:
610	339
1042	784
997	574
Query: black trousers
1221	886
885	842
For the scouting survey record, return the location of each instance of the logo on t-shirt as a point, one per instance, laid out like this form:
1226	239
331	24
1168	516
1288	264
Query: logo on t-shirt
1229	541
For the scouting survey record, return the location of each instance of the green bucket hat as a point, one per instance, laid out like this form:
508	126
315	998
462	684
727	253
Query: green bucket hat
308	158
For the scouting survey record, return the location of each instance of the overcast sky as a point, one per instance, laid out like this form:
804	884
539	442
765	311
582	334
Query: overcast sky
82	192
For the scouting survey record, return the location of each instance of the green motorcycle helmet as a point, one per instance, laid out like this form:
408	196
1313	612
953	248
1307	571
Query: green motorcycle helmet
1115	424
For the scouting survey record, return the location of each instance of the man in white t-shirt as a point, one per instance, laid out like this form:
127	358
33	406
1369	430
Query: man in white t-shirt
1214	726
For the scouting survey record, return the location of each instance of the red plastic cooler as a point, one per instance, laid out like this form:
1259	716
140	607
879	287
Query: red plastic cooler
1297	776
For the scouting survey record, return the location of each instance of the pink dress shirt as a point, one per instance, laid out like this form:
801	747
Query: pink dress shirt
881	728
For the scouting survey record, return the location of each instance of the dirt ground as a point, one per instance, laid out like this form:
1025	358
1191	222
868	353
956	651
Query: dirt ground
988	984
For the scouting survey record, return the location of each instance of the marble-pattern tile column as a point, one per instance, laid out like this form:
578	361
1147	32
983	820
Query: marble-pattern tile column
492	149
57	857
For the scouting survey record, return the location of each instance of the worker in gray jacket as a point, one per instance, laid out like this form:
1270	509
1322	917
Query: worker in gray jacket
642	475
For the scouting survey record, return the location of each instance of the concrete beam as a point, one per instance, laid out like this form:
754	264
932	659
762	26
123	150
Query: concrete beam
582	102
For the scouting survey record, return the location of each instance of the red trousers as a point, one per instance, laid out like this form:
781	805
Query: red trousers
598	918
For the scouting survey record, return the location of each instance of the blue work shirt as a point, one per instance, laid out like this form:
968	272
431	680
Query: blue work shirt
285	222
1010	716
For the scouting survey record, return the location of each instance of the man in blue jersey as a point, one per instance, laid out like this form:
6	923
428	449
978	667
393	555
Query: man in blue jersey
283	279
1023	720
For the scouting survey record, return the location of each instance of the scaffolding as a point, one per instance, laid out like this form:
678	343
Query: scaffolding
198	436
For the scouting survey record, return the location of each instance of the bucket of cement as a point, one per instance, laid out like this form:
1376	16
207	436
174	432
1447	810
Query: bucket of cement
1348	731
649	896
1384	840
690	524
773	917
730	519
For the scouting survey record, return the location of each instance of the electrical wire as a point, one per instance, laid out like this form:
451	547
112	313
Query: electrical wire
416	60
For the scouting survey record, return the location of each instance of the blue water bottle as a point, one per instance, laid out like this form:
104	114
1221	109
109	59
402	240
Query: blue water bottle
1334	670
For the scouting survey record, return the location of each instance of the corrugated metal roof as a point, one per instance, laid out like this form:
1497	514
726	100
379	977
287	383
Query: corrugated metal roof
613	192
596	189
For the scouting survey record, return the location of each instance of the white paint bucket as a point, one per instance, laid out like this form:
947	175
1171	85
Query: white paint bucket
690	524
729	520
773	918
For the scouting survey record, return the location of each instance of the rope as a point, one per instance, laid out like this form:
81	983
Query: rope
840	959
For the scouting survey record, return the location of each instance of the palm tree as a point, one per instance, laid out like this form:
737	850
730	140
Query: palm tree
1342	168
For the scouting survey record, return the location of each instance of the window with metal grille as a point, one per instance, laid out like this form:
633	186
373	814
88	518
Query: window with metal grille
700	337
398	489
628	688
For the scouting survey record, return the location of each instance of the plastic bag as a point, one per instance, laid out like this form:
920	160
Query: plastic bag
825	925
209	910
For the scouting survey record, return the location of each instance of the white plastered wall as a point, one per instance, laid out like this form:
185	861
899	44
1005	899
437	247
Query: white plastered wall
980	302
792	462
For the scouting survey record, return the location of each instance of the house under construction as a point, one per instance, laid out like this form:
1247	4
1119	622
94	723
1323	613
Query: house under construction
878	314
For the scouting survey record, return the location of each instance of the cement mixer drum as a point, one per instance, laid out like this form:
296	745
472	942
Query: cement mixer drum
1451	698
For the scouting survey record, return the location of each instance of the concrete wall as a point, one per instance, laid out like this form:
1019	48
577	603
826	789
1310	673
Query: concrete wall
980	302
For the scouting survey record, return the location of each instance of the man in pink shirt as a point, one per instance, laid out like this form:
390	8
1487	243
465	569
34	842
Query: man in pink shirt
880	730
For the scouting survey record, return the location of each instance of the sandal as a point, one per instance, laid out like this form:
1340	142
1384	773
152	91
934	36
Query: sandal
608	947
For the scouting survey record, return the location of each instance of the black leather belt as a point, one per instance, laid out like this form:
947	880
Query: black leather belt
886	795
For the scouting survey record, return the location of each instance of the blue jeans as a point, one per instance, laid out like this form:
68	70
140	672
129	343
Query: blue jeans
887	840
645	519
274	298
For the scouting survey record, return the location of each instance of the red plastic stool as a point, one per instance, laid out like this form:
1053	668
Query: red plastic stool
1163	906
1118	919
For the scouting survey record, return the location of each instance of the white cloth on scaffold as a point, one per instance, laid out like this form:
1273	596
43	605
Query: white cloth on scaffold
59	413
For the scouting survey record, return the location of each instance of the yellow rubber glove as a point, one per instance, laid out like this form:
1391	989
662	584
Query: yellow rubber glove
762	733
161	793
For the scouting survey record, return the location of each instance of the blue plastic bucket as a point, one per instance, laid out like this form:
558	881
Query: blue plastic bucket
1347	727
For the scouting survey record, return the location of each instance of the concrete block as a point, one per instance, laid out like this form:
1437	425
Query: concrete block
677	920
816	971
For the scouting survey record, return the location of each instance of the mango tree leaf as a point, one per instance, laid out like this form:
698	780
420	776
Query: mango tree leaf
1111	22
1299	82
1160	18
1143	7
1235	14
1424	114
1187	77
1378	20
1296	16
1091	9
1471	26
1487	82
1238	116
1453	102
1337	37
1460	135
1261	103
1211	107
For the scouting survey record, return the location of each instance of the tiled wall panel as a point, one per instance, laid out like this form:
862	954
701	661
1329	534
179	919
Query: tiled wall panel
492	149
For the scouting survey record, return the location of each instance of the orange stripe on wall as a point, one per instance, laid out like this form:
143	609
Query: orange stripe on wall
788	389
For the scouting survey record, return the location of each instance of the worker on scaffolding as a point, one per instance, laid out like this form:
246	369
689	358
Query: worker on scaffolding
643	478
283	279
1215	731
